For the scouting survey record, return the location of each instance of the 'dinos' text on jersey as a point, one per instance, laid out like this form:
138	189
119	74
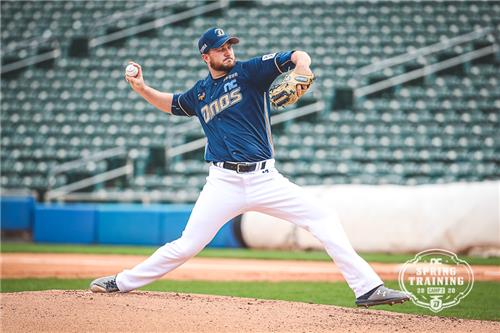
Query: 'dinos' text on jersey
230	98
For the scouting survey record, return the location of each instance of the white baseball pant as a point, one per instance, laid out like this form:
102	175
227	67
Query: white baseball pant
228	194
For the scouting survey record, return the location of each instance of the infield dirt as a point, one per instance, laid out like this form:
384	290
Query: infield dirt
38	265
82	311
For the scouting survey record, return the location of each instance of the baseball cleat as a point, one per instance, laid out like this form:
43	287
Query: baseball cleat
382	295
105	284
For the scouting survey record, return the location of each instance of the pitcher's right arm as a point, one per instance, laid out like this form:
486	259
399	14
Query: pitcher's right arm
161	100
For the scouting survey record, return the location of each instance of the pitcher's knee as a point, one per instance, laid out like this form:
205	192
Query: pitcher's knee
184	249
325	227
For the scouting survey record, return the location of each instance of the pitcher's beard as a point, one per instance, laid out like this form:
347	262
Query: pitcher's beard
222	67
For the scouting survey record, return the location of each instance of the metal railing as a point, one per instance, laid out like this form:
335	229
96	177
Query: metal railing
426	70
52	54
30	42
138	11
112	152
16	192
160	22
63	191
276	119
361	91
145	197
96	41
298	112
426	50
187	126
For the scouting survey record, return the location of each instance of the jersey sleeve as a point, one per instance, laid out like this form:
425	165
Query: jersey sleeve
265	69
184	104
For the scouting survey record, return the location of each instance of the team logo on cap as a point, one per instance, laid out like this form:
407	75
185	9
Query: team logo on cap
219	32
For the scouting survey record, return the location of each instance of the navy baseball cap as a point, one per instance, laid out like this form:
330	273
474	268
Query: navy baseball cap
214	38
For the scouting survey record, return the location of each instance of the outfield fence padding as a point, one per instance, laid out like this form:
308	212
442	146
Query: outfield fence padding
395	219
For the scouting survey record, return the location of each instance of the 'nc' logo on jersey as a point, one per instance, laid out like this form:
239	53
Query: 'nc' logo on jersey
231	97
230	85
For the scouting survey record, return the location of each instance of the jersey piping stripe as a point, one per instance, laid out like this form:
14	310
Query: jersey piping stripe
206	150
278	67
179	101
268	125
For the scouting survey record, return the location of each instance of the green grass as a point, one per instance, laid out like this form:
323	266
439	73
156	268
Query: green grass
7	247
482	303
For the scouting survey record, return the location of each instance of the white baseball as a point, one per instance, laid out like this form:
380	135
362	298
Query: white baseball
132	70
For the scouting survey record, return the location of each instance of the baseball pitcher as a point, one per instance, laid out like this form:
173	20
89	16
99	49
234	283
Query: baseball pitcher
233	106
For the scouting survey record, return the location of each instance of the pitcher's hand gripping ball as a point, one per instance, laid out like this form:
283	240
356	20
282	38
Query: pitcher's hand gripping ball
132	70
286	92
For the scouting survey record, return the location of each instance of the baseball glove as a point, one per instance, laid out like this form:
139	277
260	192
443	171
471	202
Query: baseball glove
285	93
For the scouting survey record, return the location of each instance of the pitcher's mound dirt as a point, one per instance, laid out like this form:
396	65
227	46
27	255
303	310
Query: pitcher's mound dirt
79	311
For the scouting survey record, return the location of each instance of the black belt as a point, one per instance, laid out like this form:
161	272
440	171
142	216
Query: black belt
242	167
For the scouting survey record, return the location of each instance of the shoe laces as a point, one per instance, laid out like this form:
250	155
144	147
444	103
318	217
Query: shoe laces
111	284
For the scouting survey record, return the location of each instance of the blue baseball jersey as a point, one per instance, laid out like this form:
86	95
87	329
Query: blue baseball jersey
234	109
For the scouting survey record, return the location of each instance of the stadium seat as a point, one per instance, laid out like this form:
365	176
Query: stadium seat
439	129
